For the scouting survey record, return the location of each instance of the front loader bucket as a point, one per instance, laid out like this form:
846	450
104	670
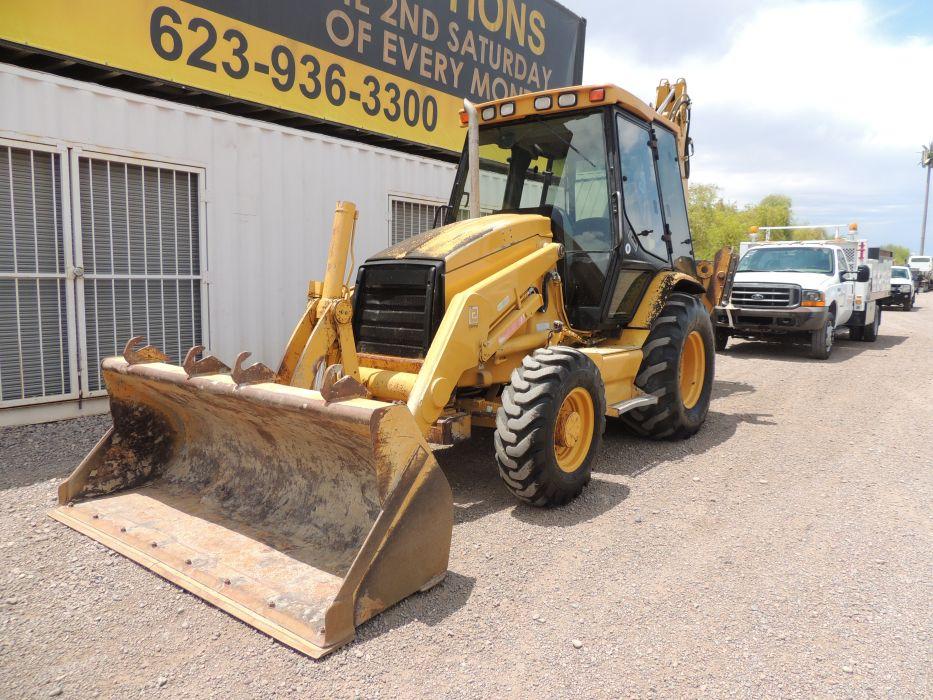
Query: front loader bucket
299	517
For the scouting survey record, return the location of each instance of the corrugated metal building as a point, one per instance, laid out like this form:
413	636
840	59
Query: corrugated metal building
125	215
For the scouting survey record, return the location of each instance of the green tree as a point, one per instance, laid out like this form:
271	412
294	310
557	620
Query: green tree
900	253
716	222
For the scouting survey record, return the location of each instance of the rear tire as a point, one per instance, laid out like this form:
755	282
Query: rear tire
822	339
550	426
870	334
681	339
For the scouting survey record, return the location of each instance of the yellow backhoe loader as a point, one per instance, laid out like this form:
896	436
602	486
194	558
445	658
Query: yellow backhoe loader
558	290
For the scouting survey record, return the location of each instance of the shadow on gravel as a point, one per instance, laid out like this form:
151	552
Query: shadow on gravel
430	607
637	455
470	467
845	349
30	454
723	388
478	491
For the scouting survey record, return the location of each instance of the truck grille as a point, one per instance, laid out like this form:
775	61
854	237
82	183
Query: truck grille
397	307
765	296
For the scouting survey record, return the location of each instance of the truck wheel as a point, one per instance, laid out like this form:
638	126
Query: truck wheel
678	365
550	426
821	340
722	339
870	334
908	303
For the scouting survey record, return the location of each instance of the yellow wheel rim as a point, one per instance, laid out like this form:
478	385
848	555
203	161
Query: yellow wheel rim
573	433
692	369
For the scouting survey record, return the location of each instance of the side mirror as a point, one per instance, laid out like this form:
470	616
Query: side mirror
864	273
849	276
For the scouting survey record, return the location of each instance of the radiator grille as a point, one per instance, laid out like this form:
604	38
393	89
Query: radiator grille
762	296
395	309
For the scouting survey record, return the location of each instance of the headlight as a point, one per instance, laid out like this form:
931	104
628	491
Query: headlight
811	297
905	287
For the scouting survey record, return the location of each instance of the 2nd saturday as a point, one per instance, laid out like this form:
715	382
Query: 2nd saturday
493	61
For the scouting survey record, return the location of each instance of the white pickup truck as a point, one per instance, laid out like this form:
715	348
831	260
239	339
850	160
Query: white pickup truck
922	267
805	289
903	292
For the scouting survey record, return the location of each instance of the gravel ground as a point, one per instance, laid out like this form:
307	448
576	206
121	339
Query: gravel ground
786	550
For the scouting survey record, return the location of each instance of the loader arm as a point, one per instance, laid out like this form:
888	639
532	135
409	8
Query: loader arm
328	316
466	339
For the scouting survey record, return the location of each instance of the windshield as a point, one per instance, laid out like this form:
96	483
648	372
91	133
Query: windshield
900	272
787	260
919	260
553	164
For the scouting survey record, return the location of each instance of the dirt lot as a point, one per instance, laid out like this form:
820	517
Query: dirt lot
786	550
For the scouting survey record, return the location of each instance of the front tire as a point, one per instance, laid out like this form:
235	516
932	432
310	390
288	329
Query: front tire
722	339
550	426
678	367
821	340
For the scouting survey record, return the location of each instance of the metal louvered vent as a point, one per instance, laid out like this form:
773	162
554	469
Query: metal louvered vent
397	307
140	248
851	257
34	342
409	218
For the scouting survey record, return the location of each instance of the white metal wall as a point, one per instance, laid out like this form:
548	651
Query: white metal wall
269	191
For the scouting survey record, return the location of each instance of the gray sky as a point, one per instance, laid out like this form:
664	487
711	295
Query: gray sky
827	102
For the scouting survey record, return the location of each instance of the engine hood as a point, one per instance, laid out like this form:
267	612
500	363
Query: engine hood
463	242
807	280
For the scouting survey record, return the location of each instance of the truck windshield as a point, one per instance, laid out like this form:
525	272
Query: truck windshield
787	260
922	261
899	272
547	164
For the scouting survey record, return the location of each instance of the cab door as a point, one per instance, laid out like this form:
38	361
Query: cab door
845	290
673	202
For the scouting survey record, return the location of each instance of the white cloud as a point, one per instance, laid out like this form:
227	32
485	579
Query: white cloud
812	99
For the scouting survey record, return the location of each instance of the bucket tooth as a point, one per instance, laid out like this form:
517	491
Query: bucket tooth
254	374
206	365
143	355
343	389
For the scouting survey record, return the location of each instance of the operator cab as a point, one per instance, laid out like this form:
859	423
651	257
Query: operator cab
606	175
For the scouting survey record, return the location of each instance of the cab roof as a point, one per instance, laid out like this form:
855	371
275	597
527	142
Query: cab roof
566	99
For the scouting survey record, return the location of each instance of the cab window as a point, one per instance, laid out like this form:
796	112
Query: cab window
556	165
641	203
841	264
672	196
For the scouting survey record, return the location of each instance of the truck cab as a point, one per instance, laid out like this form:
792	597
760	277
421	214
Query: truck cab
803	289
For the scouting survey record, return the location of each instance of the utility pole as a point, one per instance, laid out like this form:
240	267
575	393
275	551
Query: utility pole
926	161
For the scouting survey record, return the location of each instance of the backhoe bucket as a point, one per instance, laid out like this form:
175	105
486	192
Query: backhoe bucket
300	517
